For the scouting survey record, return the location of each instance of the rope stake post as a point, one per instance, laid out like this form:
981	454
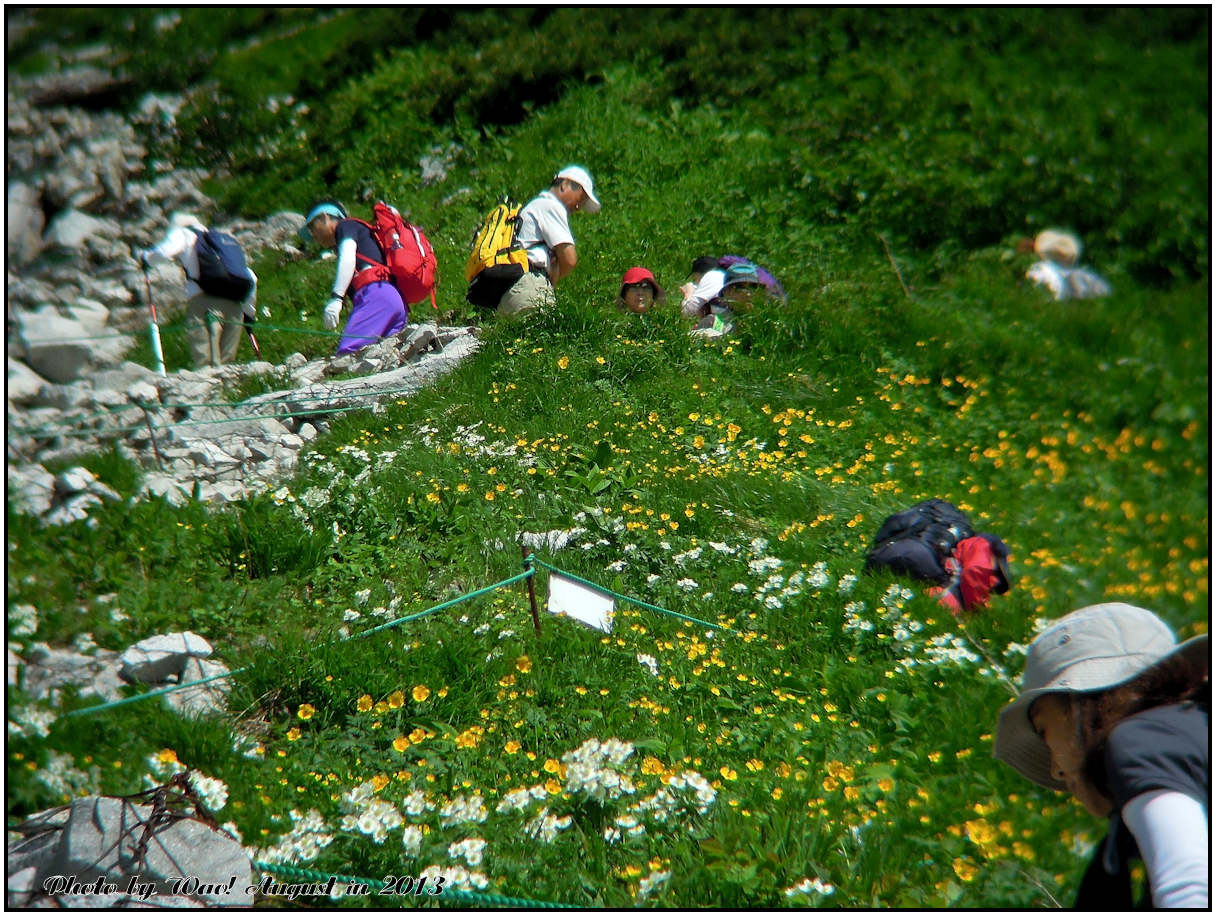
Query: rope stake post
154	325
528	558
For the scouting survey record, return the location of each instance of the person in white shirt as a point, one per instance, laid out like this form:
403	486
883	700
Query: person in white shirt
1118	713
1058	270
544	231
213	324
704	283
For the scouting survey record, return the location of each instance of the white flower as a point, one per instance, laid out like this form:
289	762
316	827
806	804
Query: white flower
648	661
411	839
758	546
462	810
846	583
687	585
617	566
415	803
471	850
545	826
818	576
22	620
652	881
362	595
739	588
653	578
212	792
809	886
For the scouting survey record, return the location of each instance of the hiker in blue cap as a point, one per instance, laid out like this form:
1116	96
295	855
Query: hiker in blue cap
742	282
377	310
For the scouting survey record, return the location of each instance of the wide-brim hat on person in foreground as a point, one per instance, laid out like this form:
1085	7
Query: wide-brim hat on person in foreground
636	275
1061	247
1091	649
325	208
582	178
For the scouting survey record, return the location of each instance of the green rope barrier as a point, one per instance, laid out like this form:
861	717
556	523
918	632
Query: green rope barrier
610	593
495	900
89	710
445	605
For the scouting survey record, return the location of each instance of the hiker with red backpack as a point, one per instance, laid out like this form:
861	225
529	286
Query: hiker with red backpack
221	290
378	306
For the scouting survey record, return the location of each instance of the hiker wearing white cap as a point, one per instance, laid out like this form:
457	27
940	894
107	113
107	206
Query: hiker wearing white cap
213	323
1116	712
1058	271
544	231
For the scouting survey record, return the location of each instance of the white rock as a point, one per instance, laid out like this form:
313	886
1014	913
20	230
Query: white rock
153	660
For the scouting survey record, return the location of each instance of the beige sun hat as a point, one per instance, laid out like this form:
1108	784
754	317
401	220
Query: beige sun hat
1056	245
1091	649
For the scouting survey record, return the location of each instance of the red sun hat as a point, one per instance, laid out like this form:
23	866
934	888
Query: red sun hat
637	275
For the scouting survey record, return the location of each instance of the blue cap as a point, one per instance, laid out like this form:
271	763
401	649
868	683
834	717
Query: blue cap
741	273
326	209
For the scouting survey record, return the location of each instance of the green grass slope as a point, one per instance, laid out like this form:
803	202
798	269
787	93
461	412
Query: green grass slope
831	745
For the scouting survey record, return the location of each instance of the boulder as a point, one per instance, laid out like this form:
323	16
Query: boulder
23	382
155	659
101	838
205	699
24	223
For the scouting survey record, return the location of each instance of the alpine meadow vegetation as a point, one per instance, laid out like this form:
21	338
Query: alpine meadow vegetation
814	735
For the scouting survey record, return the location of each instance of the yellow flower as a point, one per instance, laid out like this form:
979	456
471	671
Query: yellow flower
396	699
293	734
777	793
432	497
489	495
417	736
652	766
420	693
168	755
401	743
443	692
523	664
564	362
379	781
965	870
365	703
728	773
755	765
851	793
830	784
512	747
886	784
553	787
305	712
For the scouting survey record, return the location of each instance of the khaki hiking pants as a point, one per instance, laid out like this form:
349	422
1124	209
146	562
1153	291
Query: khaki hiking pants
531	291
213	329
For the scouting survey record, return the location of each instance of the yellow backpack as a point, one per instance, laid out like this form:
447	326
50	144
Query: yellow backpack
496	261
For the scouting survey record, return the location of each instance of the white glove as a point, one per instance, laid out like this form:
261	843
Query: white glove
332	310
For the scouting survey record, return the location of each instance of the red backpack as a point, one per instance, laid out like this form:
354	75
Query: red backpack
978	567
411	264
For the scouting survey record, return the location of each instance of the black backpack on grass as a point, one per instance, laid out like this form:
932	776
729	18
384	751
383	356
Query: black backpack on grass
221	265
918	540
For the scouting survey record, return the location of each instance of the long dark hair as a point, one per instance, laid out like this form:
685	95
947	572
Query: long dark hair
1176	680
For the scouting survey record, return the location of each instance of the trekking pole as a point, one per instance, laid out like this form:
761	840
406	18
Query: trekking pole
253	341
153	326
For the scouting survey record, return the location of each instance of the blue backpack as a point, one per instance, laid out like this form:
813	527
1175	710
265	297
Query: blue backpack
221	266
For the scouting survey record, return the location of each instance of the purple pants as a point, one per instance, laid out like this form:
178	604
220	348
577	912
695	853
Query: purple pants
376	312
